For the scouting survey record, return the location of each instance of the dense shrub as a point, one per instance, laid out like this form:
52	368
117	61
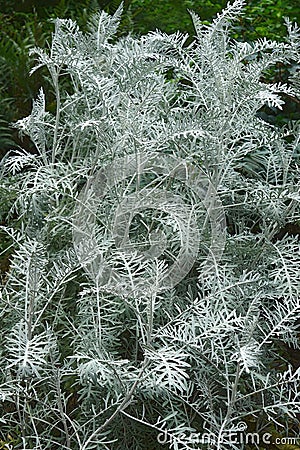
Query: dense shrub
152	293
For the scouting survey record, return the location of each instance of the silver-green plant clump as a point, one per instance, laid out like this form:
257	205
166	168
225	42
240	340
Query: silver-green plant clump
107	341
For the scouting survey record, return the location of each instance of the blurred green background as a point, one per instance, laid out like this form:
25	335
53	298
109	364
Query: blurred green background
27	23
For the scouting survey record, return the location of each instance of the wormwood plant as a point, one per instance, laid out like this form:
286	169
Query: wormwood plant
132	316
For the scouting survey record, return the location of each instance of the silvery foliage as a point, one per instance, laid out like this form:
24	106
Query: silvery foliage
83	367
